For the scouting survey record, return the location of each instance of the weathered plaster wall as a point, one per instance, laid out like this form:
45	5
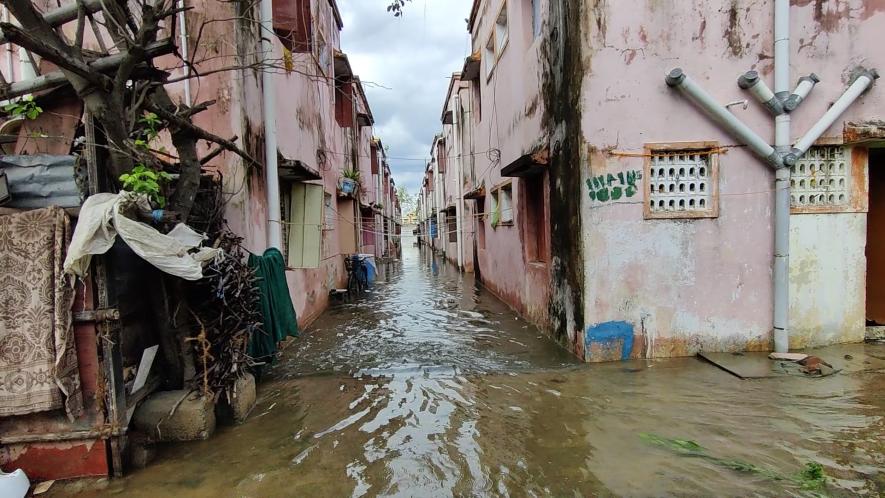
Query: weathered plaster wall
306	127
678	286
507	125
827	278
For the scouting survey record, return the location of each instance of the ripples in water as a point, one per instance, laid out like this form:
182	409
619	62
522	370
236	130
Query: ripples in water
431	387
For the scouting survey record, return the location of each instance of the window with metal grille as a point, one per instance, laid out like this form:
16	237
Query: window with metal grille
681	180
821	179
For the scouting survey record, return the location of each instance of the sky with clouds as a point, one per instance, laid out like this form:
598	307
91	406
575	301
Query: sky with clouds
405	64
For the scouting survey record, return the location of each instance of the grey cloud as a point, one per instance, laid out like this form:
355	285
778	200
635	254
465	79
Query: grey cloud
413	57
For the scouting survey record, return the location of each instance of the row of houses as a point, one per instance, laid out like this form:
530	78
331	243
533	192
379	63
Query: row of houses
593	195
302	172
325	139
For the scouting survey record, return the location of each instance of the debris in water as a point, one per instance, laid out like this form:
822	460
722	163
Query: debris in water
816	366
811	477
788	356
302	456
42	487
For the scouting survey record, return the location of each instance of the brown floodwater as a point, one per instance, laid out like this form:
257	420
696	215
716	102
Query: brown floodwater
429	386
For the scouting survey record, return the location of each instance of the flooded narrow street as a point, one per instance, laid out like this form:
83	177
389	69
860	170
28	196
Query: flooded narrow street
429	386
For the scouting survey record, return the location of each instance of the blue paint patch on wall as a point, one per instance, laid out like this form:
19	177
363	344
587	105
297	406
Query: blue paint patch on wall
609	335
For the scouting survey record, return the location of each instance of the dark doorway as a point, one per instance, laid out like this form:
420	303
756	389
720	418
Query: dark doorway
876	240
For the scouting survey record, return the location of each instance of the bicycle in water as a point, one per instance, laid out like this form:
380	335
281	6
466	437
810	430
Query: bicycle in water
357	275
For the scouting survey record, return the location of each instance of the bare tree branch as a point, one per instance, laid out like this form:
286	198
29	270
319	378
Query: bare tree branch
58	57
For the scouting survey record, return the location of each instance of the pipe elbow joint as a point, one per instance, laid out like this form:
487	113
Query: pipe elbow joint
792	102
791	158
675	77
748	80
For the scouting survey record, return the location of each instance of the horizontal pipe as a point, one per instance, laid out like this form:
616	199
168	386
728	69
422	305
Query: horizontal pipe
858	87
56	78
64	14
753	83
803	88
679	80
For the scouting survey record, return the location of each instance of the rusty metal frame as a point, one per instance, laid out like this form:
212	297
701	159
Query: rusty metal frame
108	329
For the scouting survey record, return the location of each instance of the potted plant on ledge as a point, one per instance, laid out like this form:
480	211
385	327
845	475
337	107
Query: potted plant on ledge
350	181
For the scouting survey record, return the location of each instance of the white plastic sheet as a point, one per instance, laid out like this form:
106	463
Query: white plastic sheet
101	220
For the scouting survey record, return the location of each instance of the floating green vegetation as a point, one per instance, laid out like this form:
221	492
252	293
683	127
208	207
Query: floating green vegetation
811	478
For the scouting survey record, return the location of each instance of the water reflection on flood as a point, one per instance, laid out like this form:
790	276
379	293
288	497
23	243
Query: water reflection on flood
431	387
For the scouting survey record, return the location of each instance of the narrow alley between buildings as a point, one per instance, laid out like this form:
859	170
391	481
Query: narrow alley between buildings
429	386
274	248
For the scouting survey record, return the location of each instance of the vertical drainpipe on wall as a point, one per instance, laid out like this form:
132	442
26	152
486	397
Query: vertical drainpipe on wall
459	177
438	197
183	48
274	218
781	319
10	72
379	227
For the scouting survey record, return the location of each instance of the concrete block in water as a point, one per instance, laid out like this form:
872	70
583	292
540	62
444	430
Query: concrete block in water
193	417
242	401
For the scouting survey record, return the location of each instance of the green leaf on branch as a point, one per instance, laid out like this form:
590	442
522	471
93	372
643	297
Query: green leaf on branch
24	107
144	180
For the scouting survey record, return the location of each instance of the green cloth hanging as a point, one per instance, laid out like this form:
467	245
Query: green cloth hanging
276	304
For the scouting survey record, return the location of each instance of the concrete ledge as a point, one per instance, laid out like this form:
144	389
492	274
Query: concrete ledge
875	334
192	417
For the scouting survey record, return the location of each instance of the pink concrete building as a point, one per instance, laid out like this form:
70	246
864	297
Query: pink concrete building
611	211
336	192
324	134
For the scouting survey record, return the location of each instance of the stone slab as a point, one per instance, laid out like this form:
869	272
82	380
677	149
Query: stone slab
193	417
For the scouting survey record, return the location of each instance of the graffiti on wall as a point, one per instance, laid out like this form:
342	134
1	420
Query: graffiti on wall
608	337
611	187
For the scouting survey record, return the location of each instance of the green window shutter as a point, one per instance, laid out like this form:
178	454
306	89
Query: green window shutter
297	227
306	218
313	228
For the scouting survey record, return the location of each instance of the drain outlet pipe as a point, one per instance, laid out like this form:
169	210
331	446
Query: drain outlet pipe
269	101
803	88
857	88
752	82
679	80
781	283
459	207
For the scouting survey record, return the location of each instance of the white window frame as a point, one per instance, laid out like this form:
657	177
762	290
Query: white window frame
506	200
322	51
490	59
502	31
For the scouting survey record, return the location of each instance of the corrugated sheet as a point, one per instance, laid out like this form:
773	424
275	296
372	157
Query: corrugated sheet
41	180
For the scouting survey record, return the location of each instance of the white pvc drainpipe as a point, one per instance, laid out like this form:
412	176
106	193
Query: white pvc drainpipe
10	71
781	318
459	207
780	102
858	87
271	173
182	37
679	80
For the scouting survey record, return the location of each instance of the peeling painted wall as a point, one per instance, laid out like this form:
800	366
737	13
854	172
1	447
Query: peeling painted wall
508	124
705	284
306	127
